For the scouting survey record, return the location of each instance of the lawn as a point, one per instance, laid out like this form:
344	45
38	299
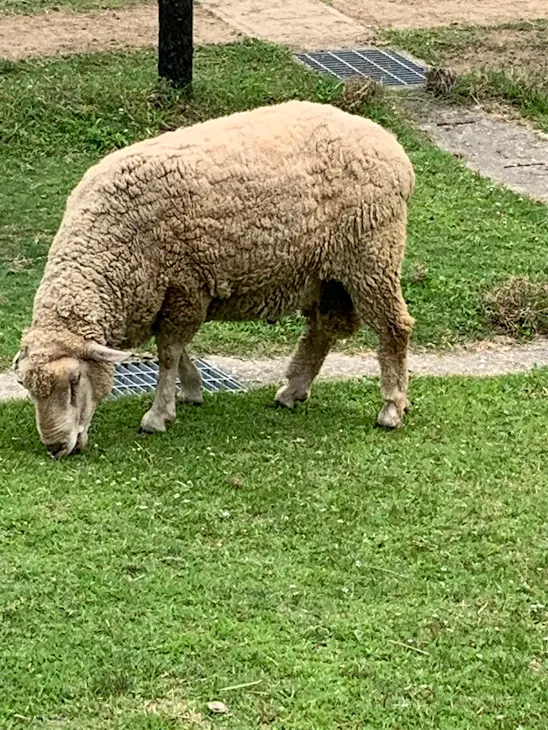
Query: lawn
358	579
58	116
505	64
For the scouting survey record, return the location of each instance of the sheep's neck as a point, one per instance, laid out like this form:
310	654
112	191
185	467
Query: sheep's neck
79	305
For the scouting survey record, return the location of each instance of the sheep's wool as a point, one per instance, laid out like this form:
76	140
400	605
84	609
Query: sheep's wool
229	219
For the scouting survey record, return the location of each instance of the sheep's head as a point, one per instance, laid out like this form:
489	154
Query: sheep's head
66	377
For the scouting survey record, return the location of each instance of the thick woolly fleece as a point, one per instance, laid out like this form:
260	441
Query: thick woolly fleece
237	218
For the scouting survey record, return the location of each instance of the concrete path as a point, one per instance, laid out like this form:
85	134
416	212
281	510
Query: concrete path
299	24
512	154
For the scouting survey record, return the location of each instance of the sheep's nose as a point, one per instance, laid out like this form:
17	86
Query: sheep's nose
55	449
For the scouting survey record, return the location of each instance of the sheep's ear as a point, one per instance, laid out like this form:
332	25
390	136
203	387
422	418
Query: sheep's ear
101	353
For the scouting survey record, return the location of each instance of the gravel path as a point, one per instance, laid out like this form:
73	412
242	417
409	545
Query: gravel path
482	360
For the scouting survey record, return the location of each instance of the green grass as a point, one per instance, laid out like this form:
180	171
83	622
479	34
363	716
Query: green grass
363	579
58	116
505	63
29	7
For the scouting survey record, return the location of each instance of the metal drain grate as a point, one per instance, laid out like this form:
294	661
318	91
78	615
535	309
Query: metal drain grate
383	66
134	378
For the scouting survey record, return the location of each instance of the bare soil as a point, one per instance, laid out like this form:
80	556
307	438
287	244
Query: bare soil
48	34
301	24
404	14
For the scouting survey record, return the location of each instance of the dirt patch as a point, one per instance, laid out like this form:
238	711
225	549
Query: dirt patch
301	24
176	710
49	34
431	13
467	49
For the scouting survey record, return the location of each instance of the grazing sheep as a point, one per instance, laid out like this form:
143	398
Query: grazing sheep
298	206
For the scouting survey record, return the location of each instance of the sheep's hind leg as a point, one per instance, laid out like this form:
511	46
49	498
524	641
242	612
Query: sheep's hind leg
379	302
162	411
312	350
392	355
327	320
191	381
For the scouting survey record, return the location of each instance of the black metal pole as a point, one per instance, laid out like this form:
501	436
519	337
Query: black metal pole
175	44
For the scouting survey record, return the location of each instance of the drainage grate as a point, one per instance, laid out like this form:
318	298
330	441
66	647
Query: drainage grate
383	66
133	378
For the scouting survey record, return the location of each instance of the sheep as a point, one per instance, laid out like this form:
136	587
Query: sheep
296	206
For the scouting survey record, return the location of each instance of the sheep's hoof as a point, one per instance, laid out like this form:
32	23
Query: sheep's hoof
155	423
192	400
148	429
288	398
390	416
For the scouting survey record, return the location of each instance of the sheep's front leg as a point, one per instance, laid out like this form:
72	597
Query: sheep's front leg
162	411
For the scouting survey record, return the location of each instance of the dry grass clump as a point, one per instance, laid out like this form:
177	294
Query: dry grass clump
440	81
519	306
358	93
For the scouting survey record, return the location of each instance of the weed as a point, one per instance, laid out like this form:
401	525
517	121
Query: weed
357	95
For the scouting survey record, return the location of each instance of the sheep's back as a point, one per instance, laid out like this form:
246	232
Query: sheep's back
254	201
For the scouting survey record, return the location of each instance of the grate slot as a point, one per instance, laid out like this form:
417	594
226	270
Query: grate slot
403	66
383	66
316	63
363	65
134	378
